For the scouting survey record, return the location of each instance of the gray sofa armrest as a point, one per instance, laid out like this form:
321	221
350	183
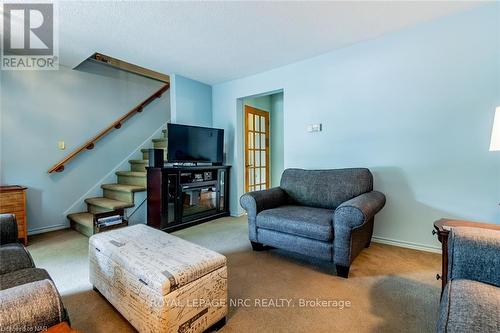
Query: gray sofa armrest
474	254
255	202
32	307
8	229
354	216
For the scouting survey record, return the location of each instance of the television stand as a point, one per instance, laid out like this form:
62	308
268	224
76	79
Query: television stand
181	196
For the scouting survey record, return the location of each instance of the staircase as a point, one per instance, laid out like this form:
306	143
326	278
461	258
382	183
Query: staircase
119	195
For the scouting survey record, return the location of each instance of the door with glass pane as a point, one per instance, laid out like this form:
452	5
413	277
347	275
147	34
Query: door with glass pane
256	149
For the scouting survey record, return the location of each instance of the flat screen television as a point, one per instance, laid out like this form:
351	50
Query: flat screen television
188	144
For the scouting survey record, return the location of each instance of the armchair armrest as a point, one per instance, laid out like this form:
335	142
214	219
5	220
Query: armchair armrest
355	212
353	226
474	254
8	229
33	306
255	202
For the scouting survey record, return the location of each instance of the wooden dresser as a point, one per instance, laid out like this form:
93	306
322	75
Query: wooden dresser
13	201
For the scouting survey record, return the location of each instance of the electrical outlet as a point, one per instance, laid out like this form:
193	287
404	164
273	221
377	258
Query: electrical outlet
314	128
61	145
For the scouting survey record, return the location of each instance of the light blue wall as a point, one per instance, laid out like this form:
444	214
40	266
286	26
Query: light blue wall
415	106
277	139
191	102
38	108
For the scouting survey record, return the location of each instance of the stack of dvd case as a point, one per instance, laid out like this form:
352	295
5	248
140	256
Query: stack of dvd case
109	221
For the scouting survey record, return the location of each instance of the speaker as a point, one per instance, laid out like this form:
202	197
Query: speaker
155	157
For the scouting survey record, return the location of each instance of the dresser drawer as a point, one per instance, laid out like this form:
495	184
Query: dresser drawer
11	196
12	210
12	201
9	206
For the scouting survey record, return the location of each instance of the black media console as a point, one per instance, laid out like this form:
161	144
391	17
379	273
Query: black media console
182	196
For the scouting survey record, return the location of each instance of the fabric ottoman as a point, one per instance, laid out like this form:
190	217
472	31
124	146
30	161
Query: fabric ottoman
159	282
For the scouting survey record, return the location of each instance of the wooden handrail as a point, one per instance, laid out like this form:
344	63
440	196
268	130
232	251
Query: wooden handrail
58	167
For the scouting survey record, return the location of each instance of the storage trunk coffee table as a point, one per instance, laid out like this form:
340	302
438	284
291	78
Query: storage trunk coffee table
159	282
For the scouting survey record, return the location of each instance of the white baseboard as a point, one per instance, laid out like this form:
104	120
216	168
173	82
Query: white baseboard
408	245
237	215
47	229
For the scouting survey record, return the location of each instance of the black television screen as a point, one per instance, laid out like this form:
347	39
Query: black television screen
195	144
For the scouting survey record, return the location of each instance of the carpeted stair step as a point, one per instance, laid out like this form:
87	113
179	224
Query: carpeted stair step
101	204
131	178
159	143
138	165
145	154
82	222
121	192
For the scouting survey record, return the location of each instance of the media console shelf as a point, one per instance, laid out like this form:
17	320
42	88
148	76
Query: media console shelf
179	197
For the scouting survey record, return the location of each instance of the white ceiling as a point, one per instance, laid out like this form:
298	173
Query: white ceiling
219	41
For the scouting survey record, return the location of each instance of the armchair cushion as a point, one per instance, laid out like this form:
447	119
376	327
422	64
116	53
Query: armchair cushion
315	223
32	307
469	306
473	253
22	276
256	202
8	229
14	257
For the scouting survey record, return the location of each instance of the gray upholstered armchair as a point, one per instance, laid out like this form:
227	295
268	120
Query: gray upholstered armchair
471	298
29	300
327	214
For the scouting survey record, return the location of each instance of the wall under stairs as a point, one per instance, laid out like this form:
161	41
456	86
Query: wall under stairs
40	108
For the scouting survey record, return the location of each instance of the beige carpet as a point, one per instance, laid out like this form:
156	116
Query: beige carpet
390	289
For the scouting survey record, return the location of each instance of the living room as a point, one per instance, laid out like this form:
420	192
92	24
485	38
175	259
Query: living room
250	166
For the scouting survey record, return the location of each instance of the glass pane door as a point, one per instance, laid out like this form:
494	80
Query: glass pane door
256	149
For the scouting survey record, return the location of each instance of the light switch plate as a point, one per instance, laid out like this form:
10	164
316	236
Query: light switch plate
314	128
61	145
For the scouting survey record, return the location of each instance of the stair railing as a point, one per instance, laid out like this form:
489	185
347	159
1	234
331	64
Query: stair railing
59	167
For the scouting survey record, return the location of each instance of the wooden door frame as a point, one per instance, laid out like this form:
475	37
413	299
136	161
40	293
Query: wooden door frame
266	116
